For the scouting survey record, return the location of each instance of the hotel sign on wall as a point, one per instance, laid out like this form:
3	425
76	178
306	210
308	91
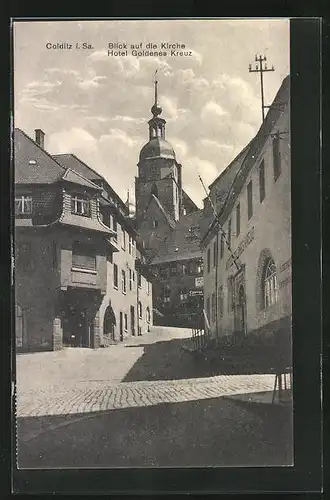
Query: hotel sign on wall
199	282
241	247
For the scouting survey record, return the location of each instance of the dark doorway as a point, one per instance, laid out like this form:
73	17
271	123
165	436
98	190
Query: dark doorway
76	328
132	320
241	310
109	322
121	325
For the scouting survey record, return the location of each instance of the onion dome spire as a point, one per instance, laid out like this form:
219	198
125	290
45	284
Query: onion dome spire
156	110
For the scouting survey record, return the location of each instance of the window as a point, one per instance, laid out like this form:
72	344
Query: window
270	283
229	233
173	269
140	310
125	322
276	156
215	253
222	246
249	200
184	268
238	220
123	241
83	256
23	205
54	255
183	294
23	252
123	281
167	294
155	223
208	259
130	275
148	315
221	301
130	245
139	280
115	228
115	275
148	287
262	181
213	307
80	205
164	271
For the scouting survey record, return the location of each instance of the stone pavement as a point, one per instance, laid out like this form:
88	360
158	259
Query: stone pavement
79	381
102	395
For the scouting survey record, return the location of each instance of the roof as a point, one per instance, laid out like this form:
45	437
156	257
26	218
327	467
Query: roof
33	165
227	173
166	214
157	148
253	150
71	161
44	169
71	176
184	241
70	219
186	199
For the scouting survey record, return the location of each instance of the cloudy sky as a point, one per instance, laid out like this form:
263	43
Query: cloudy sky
97	106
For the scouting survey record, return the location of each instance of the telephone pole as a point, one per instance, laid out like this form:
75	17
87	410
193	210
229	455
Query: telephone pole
260	68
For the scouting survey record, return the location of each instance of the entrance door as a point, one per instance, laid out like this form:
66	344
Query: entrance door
132	320
76	328
121	325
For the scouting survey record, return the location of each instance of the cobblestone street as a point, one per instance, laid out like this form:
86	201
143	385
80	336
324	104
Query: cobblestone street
144	402
81	380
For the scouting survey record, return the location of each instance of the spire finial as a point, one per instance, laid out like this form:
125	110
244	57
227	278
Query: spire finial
156	110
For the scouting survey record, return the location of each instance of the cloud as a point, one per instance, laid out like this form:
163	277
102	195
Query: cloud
212	109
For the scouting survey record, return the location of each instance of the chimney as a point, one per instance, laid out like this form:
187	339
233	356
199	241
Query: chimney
40	137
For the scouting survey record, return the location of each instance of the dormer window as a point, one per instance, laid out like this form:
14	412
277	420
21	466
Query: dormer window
23	205
80	205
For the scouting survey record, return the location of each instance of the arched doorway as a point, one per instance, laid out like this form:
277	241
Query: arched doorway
109	322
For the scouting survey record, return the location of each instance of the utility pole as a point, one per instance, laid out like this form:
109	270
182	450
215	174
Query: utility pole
260	68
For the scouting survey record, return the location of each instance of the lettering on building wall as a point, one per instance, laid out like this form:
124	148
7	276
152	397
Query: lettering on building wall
241	247
285	282
285	265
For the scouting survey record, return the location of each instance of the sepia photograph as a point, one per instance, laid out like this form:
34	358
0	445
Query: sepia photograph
152	243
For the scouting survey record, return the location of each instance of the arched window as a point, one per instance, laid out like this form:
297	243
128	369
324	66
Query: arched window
140	310
148	315
270	283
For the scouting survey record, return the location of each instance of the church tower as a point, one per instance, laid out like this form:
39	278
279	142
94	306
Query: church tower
159	174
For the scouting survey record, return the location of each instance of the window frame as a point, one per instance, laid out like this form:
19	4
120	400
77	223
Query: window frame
276	156
115	276
249	199
123	282
269	284
23	199
238	220
84	251
84	201
262	181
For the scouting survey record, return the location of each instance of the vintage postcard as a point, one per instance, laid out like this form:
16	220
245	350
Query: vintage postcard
152	243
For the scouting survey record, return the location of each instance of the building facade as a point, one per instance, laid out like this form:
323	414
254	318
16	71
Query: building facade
76	254
168	223
247	247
